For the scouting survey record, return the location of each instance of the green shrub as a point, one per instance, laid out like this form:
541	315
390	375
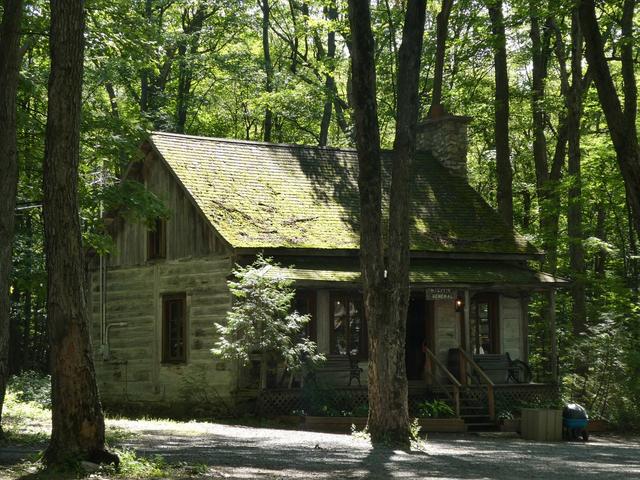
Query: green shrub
435	409
30	386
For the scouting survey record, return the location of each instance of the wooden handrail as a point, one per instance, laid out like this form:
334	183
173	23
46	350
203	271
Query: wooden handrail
491	399
441	366
456	384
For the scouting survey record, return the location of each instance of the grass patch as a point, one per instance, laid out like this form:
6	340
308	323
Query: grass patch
24	423
132	466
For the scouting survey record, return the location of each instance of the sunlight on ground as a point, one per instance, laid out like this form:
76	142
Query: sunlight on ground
160	448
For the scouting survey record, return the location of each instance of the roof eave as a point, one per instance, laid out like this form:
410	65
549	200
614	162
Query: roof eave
345	252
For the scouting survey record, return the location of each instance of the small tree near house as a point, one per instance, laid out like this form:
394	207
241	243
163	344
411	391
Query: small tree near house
261	322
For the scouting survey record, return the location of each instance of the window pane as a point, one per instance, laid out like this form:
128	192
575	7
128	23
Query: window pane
174	313
175	329
355	328
340	325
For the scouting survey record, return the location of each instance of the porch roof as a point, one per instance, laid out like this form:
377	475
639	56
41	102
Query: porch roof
437	272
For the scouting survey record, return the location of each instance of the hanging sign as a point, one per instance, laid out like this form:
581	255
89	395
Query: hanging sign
440	294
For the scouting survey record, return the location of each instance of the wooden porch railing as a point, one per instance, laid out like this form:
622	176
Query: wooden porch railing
430	377
467	360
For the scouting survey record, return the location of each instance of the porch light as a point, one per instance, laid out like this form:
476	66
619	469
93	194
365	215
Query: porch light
459	303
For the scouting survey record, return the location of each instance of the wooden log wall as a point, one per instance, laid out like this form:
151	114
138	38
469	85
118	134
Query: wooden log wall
134	372
197	263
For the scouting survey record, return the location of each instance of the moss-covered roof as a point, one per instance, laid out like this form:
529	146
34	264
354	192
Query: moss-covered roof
260	195
437	272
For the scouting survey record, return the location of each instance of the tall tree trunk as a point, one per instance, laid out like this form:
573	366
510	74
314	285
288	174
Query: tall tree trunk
404	146
330	83
574	215
546	187
385	285
9	71
191	28
600	259
268	68
77	420
630	90
621	129
442	30
503	160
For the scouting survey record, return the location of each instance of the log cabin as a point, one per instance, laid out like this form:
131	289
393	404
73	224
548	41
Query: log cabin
156	297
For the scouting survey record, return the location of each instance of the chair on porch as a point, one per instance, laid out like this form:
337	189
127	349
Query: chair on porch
501	369
333	364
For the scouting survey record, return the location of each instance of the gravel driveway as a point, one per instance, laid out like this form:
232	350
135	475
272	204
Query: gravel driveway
244	452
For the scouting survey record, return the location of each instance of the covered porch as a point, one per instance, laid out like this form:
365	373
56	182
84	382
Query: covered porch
461	313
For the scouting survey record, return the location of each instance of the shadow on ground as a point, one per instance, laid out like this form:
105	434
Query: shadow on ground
233	452
266	453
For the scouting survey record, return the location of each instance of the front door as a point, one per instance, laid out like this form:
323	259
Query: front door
418	333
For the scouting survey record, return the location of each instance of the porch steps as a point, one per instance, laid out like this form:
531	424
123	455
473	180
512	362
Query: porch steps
475	412
473	409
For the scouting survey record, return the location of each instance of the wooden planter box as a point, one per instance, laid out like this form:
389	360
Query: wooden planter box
334	424
442	425
510	425
599	426
290	420
543	425
343	424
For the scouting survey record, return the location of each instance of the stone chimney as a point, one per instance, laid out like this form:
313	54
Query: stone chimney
445	136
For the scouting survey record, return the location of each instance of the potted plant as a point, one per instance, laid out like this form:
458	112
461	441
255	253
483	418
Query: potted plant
508	421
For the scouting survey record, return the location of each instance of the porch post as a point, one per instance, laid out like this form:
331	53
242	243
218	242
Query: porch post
551	300
467	326
524	305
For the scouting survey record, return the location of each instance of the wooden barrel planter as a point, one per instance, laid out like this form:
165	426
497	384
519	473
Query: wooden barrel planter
510	425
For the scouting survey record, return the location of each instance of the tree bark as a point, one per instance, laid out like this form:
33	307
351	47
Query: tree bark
385	284
622	131
330	83
546	185
188	44
268	68
600	260
442	30
9	72
77	420
574	215
503	154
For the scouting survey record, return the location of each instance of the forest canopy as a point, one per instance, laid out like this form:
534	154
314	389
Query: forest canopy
278	70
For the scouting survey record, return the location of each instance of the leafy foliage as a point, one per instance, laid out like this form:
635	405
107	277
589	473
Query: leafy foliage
31	386
435	409
261	320
145	61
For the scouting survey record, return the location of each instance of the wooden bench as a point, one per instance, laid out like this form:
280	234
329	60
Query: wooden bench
495	365
501	369
342	364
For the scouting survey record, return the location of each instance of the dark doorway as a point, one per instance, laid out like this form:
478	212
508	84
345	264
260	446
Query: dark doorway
417	333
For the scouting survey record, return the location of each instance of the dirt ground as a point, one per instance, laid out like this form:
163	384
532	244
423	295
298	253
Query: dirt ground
237	452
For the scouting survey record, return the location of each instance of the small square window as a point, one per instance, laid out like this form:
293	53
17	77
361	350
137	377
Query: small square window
174	328
156	240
